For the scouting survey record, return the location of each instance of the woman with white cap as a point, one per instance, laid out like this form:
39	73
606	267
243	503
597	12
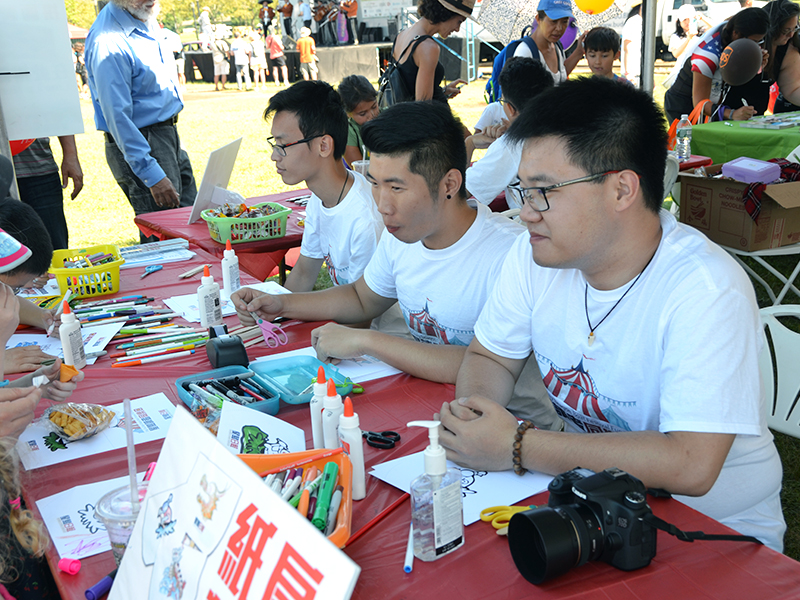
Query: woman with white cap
688	25
420	67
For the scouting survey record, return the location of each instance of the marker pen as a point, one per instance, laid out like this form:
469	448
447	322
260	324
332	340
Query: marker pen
329	475
100	589
333	511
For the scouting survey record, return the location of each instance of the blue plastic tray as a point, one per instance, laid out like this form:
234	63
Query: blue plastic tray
269	406
293	374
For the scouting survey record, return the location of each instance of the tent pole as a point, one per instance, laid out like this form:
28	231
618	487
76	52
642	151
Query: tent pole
646	80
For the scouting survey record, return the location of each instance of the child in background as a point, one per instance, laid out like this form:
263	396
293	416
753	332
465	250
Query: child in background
602	49
361	104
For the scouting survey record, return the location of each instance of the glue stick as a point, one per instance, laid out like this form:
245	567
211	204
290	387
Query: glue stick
71	339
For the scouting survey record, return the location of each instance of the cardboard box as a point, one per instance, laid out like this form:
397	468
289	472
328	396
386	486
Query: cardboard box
715	207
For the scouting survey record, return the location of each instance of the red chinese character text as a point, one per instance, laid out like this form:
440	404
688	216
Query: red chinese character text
243	555
293	578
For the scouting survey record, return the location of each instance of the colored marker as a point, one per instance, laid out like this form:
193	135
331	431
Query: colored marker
333	511
408	563
302	505
325	494
101	588
143	361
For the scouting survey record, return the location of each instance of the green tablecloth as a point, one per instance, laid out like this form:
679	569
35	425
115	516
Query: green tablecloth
724	142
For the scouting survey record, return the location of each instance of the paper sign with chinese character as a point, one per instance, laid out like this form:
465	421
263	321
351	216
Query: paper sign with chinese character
210	529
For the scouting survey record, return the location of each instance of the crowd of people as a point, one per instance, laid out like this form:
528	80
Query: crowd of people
592	280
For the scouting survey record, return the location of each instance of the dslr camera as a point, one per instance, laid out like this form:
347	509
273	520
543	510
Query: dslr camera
590	516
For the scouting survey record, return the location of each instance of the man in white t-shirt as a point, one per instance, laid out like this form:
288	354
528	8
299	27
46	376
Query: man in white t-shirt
521	80
241	51
342	224
644	330
439	261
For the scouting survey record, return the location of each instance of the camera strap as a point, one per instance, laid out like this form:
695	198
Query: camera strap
690	536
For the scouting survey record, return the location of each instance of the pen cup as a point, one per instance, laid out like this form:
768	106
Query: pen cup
361	166
115	511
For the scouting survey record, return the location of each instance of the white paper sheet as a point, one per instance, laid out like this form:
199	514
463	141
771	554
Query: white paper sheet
359	370
69	517
40	447
187	305
243	430
50	289
95	339
479	489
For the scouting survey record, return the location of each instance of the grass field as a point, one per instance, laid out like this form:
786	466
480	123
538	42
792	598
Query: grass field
101	213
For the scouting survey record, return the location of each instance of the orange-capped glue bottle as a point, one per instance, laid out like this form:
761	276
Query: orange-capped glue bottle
332	408
315	406
230	270
208	300
353	444
71	339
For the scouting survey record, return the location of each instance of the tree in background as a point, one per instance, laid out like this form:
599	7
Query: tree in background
81	12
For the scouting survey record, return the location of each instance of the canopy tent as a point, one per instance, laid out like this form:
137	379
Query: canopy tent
77	33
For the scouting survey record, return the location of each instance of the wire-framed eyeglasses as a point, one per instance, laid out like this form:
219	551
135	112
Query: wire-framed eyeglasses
281	148
536	197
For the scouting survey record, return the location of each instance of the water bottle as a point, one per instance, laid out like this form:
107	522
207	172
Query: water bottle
684	145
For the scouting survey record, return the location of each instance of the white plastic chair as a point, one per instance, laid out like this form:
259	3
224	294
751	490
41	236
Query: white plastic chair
513	214
779	362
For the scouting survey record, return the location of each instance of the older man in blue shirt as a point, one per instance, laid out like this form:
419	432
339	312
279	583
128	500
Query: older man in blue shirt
136	100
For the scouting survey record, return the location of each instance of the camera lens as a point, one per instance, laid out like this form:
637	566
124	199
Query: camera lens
548	542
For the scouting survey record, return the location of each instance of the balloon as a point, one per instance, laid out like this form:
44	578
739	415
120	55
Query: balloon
593	7
740	61
18	146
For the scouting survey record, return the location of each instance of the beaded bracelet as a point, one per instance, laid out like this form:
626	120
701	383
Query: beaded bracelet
515	455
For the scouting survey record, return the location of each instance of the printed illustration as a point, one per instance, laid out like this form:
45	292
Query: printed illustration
173	583
54	442
166	524
88	520
208	505
468	479
256	441
425	327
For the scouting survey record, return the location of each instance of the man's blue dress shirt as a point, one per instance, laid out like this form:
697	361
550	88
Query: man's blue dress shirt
133	83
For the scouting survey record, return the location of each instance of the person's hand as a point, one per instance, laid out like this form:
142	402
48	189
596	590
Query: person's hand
495	131
247	300
24	359
71	169
451	89
58	390
478	433
482	140
743	113
164	194
16	409
764	59
41	281
336	342
9	313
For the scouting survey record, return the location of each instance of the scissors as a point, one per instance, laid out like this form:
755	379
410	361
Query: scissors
499	516
382	439
274	336
150	269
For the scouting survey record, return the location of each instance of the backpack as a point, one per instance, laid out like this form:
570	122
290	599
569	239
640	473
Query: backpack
493	93
392	88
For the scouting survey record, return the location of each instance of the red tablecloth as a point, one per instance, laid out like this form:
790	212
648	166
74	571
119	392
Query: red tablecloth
259	259
483	567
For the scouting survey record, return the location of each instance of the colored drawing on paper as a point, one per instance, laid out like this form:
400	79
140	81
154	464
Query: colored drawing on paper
166	524
54	442
173	583
256	441
208	505
88	520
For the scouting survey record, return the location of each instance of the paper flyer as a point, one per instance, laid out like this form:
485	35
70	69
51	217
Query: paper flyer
95	339
187	305
210	528
244	430
69	517
38	446
479	489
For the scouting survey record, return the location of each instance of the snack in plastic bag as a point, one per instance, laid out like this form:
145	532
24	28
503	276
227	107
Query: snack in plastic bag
73	421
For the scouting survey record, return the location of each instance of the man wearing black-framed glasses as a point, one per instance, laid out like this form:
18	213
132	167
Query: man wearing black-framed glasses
647	334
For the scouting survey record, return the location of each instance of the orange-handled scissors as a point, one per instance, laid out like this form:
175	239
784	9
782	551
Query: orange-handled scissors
499	516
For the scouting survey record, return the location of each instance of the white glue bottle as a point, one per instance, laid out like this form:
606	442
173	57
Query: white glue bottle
332	408
208	300
71	339
436	507
230	270
353	444
315	406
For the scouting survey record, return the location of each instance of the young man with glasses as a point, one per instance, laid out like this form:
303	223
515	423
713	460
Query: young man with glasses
521	80
342	224
438	260
644	330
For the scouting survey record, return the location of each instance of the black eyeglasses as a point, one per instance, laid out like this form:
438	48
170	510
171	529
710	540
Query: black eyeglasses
281	148
536	197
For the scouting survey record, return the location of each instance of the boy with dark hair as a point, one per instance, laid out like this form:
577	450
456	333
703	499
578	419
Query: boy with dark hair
438	264
342	225
601	47
521	80
647	333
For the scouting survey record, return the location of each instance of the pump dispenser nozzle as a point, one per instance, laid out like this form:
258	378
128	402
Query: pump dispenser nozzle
435	457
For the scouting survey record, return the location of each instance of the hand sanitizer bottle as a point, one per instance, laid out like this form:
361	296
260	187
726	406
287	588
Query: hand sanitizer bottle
315	406
436	507
71	339
208	300
230	270
332	409
353	444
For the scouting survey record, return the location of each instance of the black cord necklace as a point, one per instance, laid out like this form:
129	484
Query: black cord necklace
346	179
586	301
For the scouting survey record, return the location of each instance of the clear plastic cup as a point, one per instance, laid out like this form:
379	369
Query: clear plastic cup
361	166
115	511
